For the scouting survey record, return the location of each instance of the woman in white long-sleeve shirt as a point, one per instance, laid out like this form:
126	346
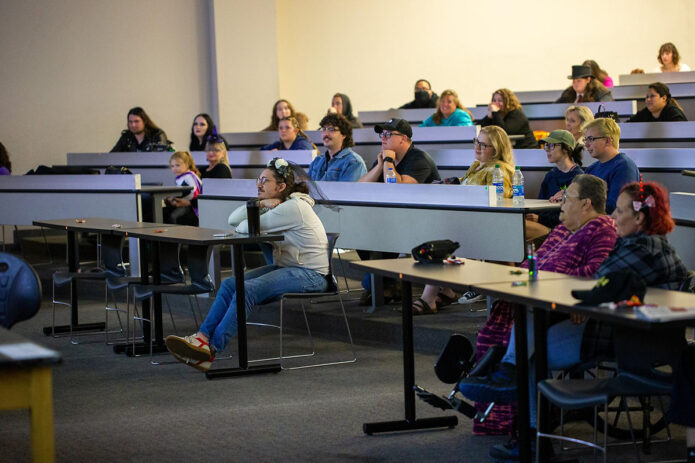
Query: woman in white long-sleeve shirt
300	263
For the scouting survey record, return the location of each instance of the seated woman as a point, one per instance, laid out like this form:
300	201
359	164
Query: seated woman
340	104
202	128
670	59
283	109
291	137
142	134
563	151
601	75
218	162
659	106
300	262
505	111
5	163
642	218
585	87
450	112
575	118
492	147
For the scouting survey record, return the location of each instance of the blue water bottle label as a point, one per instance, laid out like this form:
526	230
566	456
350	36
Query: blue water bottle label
391	180
519	191
499	188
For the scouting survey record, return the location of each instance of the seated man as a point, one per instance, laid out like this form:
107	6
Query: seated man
602	139
339	163
142	134
410	164
643	218
424	96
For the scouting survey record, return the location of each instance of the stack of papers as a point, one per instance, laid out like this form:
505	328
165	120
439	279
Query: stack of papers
663	313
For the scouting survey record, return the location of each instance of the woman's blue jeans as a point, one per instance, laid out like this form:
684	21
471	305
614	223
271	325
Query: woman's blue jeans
564	345
260	285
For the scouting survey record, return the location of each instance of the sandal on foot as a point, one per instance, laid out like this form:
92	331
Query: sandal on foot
446	300
420	307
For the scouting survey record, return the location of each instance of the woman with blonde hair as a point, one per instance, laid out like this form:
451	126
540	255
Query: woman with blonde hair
450	112
505	111
218	162
291	137
492	147
575	118
283	109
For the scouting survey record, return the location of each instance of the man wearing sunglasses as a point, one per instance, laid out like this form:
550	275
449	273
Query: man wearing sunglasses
602	138
411	164
339	163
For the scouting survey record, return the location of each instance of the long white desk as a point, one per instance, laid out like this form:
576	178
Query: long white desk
657	135
665	77
395	218
154	167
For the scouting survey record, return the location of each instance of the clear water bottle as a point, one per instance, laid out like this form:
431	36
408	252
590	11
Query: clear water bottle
518	184
498	183
391	176
532	264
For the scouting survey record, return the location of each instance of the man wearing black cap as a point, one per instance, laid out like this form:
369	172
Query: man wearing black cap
584	88
411	165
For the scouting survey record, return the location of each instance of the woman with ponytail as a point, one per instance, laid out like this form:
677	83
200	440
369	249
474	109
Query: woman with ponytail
660	106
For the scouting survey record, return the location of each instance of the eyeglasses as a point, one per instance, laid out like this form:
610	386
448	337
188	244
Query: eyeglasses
215	150
592	139
385	135
329	129
550	146
565	196
262	180
481	144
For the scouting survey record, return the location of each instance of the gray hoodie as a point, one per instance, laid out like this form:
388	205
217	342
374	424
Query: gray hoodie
305	243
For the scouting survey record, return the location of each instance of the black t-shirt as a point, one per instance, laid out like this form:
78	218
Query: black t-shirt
670	113
417	164
219	171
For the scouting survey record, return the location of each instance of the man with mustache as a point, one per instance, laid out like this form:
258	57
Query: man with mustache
339	163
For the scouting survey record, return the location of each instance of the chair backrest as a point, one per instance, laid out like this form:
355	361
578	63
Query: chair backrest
20	290
112	255
646	353
170	270
198	267
332	283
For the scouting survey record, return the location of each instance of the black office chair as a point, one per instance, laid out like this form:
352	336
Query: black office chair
116	278
173	281
332	290
20	290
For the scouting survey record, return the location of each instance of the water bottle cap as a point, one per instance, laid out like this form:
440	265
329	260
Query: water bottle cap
496	166
390	168
517	168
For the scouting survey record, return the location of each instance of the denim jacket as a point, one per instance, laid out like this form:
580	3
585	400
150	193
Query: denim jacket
345	166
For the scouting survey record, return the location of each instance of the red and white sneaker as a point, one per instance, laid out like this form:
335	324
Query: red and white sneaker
200	365
189	347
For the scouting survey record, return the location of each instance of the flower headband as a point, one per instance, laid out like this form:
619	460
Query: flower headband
642	203
281	165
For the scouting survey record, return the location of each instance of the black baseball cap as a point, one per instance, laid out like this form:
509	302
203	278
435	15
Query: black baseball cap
399	125
613	287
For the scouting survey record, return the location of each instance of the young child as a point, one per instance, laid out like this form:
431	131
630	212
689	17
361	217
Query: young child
183	210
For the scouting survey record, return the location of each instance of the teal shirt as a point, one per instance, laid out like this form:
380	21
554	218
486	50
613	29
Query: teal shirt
460	117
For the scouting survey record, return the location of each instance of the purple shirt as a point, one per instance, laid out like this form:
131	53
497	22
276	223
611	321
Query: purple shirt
580	253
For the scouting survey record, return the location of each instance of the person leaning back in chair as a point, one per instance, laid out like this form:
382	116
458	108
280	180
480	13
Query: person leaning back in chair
142	134
300	262
585	87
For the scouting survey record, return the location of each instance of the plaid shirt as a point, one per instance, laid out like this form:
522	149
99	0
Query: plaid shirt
650	256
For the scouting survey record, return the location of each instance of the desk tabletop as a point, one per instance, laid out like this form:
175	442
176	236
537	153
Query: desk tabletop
97	224
186	234
556	295
472	273
18	351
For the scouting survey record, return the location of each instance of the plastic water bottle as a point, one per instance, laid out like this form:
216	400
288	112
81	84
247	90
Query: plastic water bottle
532	264
391	176
518	183
498	183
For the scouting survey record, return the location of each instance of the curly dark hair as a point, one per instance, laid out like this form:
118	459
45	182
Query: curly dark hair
286	175
5	158
338	120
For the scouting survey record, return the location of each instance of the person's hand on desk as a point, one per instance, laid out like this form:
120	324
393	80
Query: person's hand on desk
271	203
557	197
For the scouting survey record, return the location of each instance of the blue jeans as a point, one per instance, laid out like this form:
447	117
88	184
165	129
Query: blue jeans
564	345
260	285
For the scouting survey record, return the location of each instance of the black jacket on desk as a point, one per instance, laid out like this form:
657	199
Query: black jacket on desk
155	140
670	113
418	103
570	96
514	123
